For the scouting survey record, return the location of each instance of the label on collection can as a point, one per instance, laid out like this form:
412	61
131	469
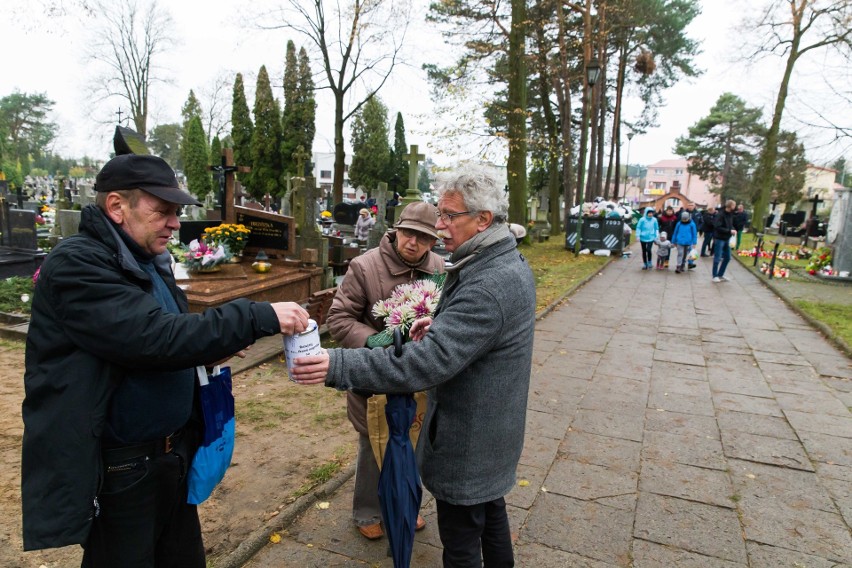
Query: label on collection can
302	345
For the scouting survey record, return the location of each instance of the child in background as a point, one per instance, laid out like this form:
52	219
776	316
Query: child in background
664	248
684	238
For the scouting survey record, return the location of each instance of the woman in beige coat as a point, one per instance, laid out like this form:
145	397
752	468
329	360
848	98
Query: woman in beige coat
403	255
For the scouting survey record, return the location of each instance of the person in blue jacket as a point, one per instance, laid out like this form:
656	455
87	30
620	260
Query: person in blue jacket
685	237
647	231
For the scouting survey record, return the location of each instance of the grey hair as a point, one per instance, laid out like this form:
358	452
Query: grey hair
479	189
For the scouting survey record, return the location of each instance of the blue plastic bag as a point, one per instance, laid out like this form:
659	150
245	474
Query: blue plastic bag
217	446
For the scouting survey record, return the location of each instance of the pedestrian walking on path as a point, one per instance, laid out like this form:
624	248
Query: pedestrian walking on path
723	230
664	250
684	238
647	231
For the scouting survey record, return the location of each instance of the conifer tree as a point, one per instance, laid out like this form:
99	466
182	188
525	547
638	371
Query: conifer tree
266	164
291	137
306	101
215	151
241	128
190	109
370	147
399	165
196	159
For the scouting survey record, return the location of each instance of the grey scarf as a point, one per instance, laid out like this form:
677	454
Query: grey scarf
476	244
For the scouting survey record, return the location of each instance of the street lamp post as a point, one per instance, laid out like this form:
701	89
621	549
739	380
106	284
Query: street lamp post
593	71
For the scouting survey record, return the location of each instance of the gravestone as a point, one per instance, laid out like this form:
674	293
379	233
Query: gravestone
85	194
274	234
412	194
68	222
378	230
310	238
19	252
346	213
839	235
21	230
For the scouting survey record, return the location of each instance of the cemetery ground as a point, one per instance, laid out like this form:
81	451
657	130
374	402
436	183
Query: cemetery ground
289	439
827	304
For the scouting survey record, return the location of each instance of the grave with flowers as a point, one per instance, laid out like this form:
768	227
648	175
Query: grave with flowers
288	277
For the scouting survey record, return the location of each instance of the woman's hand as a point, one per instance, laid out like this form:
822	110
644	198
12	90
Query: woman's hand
419	328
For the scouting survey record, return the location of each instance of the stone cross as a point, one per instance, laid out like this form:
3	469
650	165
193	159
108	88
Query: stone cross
380	228
413	169
307	197
816	201
267	199
300	155
226	171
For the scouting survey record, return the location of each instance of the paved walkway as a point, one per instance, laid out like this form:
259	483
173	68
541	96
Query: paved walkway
671	422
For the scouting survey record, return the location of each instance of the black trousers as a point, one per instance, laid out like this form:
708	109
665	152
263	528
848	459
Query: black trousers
144	519
475	534
647	251
707	244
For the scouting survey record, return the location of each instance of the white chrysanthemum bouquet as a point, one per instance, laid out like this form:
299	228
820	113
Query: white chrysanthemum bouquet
407	304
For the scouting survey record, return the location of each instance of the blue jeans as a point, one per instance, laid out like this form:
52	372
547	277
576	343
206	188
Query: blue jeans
721	257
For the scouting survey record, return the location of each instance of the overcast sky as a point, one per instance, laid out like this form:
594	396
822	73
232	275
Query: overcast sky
45	54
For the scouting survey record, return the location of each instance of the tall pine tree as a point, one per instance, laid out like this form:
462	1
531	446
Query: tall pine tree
241	128
290	121
190	109
196	159
399	165
307	103
215	151
266	164
370	148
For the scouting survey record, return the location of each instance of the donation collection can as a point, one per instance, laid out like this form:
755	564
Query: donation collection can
302	344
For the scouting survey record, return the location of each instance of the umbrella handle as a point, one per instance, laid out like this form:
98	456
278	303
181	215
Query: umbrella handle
397	342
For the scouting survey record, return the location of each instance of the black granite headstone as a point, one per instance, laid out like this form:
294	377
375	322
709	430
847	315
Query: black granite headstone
22	230
273	233
346	213
191	230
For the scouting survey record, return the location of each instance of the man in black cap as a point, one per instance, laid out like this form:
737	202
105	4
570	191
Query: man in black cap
110	420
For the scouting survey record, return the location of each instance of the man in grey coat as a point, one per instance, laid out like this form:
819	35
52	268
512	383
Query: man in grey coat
475	356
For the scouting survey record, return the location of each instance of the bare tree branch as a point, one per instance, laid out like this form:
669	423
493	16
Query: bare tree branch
358	52
128	41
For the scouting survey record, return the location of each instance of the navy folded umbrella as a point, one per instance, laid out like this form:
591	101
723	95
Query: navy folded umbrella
400	493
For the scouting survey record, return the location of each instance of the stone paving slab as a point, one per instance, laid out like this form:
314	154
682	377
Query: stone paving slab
773	426
763	556
744	403
677	423
699	484
652	555
626	426
765	449
814	402
696	527
822	424
827	449
534	554
688	450
587	481
677	356
588	529
667	369
614	453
